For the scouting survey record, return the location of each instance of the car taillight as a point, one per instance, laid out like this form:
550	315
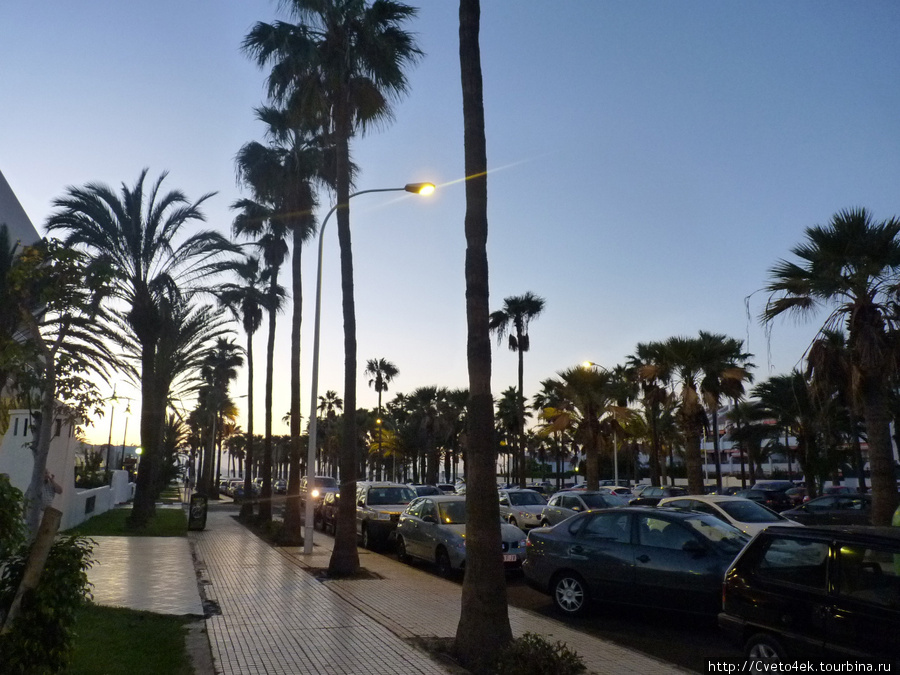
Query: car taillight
528	543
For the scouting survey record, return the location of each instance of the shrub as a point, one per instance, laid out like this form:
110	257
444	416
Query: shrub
40	638
533	655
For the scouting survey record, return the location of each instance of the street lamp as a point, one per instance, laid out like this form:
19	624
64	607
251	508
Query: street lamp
415	188
591	364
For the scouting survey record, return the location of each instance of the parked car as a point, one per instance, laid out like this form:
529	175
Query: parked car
776	500
652	495
638	489
617	490
433	528
730	491
521	508
656	557
566	504
840	490
325	512
818	593
378	509
279	487
796	495
317	487
447	488
849	509
423	490
746	515
781	485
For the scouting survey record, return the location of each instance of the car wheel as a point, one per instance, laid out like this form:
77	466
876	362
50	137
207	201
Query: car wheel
402	555
569	593
764	648
366	538
442	562
318	522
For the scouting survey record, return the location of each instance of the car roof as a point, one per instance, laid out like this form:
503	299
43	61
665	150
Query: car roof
709	498
443	498
843	532
381	484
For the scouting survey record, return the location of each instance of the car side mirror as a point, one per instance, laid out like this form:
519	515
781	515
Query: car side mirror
429	519
693	546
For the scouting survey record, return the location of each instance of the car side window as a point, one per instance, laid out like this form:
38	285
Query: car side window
608	527
415	508
661	533
682	504
709	509
571	503
795	561
504	500
822	504
429	509
554	501
869	574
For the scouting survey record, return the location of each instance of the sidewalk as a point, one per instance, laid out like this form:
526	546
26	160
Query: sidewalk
267	612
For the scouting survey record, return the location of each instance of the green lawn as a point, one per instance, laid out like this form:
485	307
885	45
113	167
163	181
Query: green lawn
110	640
167	523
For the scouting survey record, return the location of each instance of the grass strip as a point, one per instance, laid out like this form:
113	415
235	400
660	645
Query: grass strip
166	523
112	640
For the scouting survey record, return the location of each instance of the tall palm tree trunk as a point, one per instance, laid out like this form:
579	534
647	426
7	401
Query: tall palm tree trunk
144	506
484	617
881	455
265	502
344	557
292	514
247	503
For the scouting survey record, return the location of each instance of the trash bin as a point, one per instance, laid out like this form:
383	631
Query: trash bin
197	512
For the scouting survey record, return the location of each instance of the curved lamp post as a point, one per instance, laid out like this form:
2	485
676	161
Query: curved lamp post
415	188
591	364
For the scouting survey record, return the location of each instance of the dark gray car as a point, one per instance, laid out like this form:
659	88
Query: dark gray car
840	509
566	504
634	555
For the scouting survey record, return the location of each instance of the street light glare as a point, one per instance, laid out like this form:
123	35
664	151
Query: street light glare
420	188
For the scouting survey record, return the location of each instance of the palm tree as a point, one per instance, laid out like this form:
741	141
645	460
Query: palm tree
591	406
246	299
382	372
850	266
727	368
219	367
134	234
483	627
653	374
342	63
830	375
513	321
788	400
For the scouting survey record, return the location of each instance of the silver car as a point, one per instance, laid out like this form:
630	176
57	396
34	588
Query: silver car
566	504
433	528
522	508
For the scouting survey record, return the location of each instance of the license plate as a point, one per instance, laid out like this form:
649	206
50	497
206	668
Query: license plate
510	557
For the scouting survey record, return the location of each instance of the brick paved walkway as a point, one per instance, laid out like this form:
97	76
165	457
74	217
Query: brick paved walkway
276	618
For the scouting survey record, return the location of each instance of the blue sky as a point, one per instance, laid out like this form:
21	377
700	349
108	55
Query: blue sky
650	161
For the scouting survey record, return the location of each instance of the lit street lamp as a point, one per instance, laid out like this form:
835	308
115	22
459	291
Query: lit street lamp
415	188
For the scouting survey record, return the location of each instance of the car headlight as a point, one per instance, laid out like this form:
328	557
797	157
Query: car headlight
315	494
381	515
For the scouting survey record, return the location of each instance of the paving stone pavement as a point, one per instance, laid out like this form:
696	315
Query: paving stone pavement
267	613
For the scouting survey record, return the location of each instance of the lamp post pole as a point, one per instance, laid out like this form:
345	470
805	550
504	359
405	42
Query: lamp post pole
417	188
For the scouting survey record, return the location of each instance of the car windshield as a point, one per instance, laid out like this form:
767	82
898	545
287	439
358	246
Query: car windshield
602	501
749	512
453	513
325	481
390	495
526	499
727	539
